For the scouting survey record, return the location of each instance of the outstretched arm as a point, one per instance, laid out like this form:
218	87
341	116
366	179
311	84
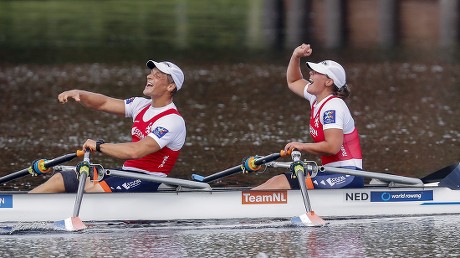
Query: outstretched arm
94	101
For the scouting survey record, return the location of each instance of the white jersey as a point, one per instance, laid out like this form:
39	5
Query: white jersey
343	118
173	125
334	113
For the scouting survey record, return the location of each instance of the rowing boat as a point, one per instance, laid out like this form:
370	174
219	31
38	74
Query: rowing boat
180	199
181	203
232	203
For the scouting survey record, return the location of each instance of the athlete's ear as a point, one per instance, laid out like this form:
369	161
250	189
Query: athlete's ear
329	82
171	87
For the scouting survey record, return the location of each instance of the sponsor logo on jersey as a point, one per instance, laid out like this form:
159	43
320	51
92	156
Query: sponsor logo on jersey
313	131
343	151
137	133
160	131
329	117
148	129
165	158
132	184
127	101
336	180
316	122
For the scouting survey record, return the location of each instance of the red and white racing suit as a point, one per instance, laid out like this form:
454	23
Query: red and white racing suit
332	112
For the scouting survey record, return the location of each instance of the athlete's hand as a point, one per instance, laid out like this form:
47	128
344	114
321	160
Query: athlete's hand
90	144
293	145
303	50
73	94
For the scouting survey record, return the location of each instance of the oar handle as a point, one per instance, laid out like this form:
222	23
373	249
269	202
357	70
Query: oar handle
14	175
237	169
215	176
269	158
46	165
64	158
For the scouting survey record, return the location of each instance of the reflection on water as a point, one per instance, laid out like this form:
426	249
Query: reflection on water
391	237
407	114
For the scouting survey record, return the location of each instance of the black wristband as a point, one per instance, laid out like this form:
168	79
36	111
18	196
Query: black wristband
98	144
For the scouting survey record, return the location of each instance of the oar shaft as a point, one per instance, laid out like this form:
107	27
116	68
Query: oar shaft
14	175
299	170
303	189
79	197
83	171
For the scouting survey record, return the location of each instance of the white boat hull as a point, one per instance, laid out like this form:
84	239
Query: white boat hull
231	204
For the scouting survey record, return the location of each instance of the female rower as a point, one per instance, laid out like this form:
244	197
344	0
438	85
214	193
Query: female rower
332	127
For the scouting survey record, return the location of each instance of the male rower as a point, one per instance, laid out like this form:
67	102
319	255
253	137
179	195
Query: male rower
158	134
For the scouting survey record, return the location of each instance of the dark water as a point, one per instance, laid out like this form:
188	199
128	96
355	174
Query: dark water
396	237
407	114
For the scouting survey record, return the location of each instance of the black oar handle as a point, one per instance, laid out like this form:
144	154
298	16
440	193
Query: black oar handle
215	176
14	175
47	164
268	158
237	169
64	158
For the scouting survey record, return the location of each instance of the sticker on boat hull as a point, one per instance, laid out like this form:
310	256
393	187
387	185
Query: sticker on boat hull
402	196
264	197
6	201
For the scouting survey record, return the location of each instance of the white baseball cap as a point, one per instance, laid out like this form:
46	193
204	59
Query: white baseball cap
332	69
171	69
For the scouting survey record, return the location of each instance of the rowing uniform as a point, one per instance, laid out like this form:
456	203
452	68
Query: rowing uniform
167	127
332	112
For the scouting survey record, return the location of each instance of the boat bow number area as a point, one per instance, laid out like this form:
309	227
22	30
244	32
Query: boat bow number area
6	201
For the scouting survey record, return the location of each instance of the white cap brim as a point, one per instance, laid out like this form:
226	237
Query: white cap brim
327	70
169	68
320	68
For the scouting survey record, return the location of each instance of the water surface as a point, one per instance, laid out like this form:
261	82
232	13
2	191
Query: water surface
391	237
